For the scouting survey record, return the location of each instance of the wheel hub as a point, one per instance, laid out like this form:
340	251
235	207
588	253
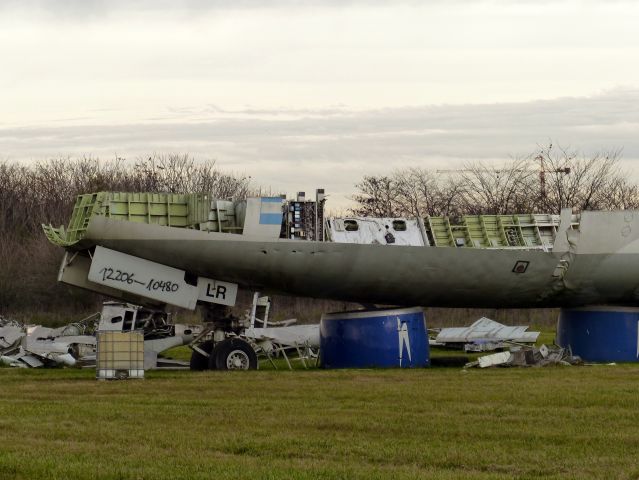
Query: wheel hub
237	360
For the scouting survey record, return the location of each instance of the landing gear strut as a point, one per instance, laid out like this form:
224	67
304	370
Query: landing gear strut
199	361
222	353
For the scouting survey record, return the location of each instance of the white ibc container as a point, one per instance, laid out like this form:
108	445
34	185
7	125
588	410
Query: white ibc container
120	355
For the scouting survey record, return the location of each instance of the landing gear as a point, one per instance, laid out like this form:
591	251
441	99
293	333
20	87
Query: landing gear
229	354
223	349
233	354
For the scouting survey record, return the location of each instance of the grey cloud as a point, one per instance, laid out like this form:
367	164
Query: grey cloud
82	8
334	147
95	9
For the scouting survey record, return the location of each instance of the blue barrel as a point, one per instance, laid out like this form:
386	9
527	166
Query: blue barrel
377	338
600	334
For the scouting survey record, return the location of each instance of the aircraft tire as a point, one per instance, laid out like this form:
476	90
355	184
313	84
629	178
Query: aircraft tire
198	361
234	354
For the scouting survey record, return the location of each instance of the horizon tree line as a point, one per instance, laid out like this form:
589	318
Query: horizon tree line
545	181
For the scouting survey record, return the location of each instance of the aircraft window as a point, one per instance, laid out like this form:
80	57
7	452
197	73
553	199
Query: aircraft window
117	319
128	320
399	225
351	225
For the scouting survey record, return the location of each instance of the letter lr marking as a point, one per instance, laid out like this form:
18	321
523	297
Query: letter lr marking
220	291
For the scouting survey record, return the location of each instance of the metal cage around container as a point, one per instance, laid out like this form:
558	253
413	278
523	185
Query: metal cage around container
120	355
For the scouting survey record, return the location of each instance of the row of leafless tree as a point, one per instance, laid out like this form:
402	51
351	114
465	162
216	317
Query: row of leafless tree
45	193
547	181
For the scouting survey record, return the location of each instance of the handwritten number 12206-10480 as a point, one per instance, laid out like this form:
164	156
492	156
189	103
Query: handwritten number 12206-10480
117	275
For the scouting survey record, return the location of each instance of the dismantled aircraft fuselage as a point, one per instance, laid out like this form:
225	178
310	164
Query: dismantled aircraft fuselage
262	244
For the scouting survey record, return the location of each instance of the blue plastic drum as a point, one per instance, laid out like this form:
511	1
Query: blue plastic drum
377	338
600	334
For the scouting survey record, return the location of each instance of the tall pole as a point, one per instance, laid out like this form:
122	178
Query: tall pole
542	176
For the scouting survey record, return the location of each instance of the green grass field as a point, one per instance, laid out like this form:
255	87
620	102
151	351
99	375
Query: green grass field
557	422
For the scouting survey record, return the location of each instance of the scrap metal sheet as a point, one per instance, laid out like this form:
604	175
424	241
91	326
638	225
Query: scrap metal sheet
486	329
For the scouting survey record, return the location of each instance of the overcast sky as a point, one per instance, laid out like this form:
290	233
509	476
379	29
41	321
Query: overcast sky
306	94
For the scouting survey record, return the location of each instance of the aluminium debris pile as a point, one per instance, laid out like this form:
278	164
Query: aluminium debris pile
11	333
528	356
33	346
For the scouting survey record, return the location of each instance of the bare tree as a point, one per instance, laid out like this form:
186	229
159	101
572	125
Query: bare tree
490	190
422	192
377	197
546	181
594	182
621	195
